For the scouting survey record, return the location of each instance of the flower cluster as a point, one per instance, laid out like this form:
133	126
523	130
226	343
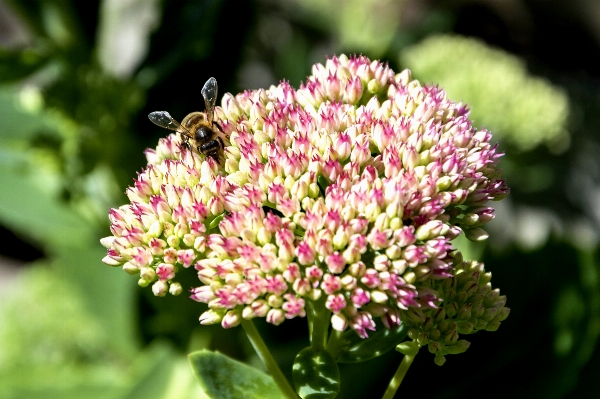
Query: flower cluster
469	305
348	189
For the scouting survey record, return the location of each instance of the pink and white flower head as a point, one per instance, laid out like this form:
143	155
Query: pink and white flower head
350	187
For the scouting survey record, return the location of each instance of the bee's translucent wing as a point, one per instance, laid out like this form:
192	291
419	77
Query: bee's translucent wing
209	92
164	120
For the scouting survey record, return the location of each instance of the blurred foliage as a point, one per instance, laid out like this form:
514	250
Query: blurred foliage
517	107
365	26
77	79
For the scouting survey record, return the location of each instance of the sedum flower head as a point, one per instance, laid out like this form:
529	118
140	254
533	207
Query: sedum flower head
348	189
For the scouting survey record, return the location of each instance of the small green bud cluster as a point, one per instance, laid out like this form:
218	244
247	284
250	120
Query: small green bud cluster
469	304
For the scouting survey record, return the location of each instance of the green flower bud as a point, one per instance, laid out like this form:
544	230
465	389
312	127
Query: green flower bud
465	327
464	313
470	287
444	183
476	300
434	347
458	258
439	360
451	309
477	310
373	86
476	234
423	339
428	325
148	273
450	295
443	326
491	298
459	347
410	277
439	314
413	333
173	241
485	278
451	337
461	297
416	316
500	302
189	240
484	289
492	326
489	314
470	219
502	314
175	289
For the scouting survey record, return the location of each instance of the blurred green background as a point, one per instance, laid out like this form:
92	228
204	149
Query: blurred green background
78	78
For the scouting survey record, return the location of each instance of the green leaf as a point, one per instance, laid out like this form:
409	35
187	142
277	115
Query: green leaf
108	293
354	349
323	183
316	374
28	209
215	222
162	373
152	369
222	377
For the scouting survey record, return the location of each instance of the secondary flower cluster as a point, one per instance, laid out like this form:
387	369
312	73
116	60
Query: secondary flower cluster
350	187
469	305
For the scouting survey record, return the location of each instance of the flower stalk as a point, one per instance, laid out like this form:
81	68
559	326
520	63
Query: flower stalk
318	322
409	356
265	356
335	344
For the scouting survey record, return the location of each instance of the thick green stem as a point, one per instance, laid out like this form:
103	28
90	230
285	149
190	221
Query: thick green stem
318	322
267	359
336	343
398	377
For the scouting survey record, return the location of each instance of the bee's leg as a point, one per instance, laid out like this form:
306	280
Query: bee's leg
219	126
223	134
186	145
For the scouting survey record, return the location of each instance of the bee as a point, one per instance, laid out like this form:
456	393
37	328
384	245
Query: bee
198	130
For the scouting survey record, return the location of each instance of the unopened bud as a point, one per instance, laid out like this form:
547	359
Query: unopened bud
439	360
160	288
175	289
476	234
458	347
